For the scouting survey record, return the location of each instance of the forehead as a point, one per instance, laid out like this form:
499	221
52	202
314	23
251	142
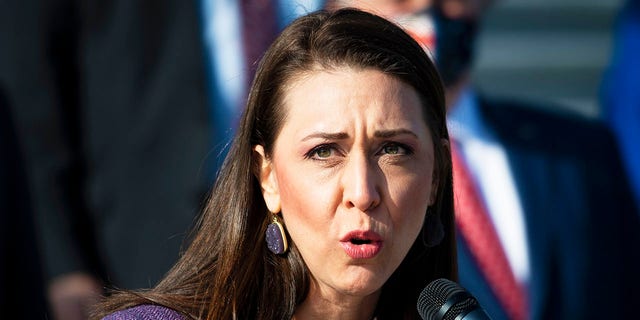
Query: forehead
345	94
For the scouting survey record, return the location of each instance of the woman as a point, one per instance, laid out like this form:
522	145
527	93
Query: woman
335	200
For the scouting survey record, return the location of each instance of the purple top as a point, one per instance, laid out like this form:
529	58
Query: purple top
145	312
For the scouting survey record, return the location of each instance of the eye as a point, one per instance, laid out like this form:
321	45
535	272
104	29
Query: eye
321	152
391	149
394	148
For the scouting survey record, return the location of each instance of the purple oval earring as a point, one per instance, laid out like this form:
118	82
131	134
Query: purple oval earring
276	238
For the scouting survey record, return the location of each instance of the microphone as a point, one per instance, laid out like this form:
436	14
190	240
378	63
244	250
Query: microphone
444	299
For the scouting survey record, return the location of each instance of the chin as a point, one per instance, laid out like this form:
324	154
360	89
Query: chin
363	282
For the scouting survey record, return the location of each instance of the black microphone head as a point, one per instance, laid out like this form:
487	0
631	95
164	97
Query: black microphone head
440	292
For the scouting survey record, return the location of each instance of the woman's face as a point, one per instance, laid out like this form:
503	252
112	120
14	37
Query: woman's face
352	173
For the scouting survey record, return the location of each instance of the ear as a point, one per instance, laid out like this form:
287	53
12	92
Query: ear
435	182
267	177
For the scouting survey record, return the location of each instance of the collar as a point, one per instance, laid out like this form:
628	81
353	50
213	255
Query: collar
465	120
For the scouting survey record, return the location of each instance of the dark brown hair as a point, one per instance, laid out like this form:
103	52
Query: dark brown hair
227	271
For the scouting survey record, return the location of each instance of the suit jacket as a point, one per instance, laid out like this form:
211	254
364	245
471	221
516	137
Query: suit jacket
581	222
111	109
21	284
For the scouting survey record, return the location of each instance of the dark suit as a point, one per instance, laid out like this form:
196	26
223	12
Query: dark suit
110	106
581	223
21	283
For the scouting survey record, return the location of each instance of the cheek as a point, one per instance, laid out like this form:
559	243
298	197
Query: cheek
297	192
304	201
307	217
411	198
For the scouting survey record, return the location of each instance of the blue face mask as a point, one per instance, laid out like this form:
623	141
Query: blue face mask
455	42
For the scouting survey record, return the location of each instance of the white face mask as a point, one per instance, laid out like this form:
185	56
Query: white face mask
421	26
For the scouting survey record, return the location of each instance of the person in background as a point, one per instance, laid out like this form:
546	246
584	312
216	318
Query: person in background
335	198
21	284
235	35
619	95
111	116
545	218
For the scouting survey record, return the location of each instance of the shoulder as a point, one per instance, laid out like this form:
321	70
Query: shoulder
145	312
544	125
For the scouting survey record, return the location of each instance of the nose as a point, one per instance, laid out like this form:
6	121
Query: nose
360	184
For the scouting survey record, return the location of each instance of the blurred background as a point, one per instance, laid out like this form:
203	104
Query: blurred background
140	71
548	50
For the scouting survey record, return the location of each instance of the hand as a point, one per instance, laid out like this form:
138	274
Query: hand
71	295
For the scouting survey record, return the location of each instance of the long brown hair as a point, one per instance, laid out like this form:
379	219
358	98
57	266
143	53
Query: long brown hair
227	271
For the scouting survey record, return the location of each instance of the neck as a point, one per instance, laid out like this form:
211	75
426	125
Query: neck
323	305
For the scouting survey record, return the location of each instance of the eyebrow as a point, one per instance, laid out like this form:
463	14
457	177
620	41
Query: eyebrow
327	136
342	135
393	133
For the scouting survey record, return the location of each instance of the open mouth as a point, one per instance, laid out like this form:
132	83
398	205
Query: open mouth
359	241
362	244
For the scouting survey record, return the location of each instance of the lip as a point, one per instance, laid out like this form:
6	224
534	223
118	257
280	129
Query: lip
369	248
